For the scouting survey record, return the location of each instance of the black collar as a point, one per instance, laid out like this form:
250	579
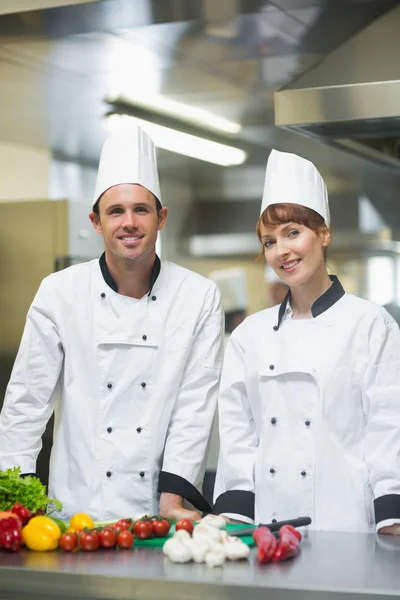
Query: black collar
328	299
110	281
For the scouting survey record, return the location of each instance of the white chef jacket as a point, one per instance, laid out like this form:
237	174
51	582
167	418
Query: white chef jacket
137	384
309	414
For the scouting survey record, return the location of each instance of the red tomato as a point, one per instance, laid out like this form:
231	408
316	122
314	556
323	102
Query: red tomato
123	524
125	539
68	542
143	530
117	528
161	528
107	538
185	524
23	513
89	541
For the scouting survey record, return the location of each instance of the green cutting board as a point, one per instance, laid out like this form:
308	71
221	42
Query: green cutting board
159	542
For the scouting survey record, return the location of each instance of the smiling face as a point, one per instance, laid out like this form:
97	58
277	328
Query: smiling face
128	221
294	250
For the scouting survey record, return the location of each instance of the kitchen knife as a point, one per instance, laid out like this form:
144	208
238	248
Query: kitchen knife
299	522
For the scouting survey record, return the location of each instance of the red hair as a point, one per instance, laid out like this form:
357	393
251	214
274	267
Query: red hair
278	214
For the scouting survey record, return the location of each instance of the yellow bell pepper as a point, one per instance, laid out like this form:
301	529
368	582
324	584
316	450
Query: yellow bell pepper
41	534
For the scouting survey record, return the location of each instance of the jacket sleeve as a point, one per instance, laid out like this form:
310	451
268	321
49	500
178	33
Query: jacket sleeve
381	392
234	488
192	417
29	399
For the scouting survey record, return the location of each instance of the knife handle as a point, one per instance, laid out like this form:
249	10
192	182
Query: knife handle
299	522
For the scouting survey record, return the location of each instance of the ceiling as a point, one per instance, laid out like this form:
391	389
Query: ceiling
58	65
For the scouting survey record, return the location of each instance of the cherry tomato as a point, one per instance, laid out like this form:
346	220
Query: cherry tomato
123	524
125	539
143	530
23	513
68	542
185	524
117	528
108	538
161	528
81	521
89	541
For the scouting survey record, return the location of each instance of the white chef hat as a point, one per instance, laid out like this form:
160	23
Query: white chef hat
128	156
295	180
232	284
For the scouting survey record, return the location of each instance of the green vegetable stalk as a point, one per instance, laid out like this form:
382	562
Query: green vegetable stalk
28	491
60	523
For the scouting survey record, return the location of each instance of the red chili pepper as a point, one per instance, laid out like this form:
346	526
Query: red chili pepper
295	531
266	543
288	546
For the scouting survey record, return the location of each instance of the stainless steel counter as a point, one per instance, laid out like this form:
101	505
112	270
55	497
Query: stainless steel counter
331	565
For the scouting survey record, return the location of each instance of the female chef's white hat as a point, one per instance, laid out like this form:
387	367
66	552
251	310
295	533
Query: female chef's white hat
295	180
128	156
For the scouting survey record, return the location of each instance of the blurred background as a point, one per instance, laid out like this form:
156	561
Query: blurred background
217	84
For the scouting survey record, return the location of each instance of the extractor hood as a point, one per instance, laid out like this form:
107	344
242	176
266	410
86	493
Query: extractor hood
351	99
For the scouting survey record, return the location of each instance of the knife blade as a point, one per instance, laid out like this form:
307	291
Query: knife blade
299	522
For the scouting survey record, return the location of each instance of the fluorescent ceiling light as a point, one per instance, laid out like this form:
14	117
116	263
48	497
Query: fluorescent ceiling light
181	143
18	6
171	108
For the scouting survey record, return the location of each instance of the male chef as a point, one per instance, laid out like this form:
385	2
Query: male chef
127	349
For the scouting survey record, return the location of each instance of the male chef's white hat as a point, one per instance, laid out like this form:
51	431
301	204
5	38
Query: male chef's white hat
295	180
128	156
232	284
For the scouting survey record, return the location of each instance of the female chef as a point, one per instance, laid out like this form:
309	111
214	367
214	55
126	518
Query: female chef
309	404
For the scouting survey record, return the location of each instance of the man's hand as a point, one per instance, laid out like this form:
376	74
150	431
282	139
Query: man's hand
391	529
171	508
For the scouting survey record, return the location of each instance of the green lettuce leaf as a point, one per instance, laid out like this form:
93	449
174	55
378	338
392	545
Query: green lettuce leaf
28	491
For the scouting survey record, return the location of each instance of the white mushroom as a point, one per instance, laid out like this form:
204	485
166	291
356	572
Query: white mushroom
231	538
177	551
190	543
206	532
208	544
214	521
225	537
215	558
200	531
169	545
181	535
236	550
199	551
216	547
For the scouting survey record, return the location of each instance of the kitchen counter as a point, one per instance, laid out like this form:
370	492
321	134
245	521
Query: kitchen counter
331	565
